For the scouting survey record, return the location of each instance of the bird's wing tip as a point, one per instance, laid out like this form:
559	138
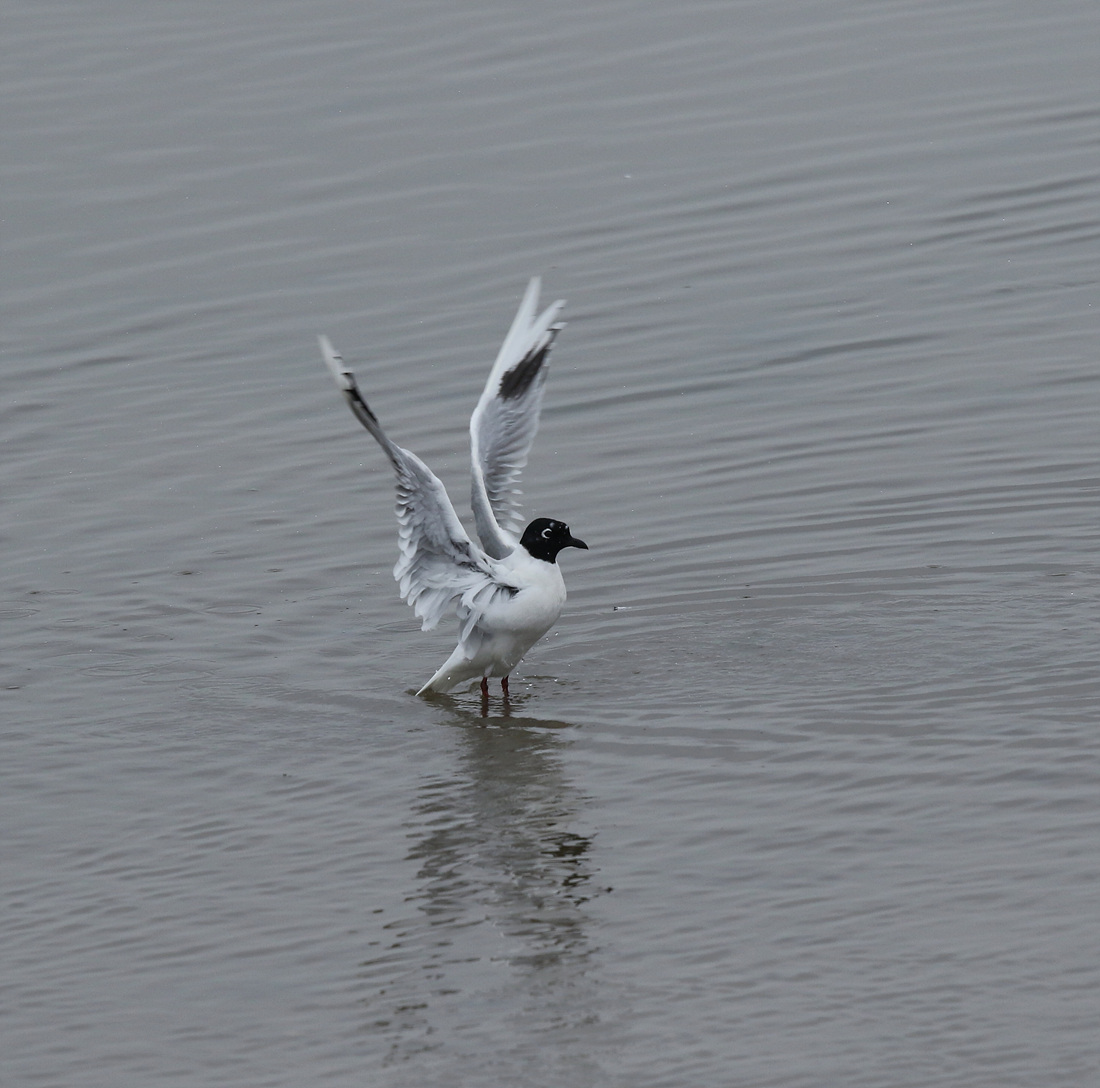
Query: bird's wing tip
335	363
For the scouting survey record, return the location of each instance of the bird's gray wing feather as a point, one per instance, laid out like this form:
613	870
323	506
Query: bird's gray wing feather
503	425
439	566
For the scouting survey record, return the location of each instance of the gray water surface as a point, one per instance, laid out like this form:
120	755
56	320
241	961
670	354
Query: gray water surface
804	788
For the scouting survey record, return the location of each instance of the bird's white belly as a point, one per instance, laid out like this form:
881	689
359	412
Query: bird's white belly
510	626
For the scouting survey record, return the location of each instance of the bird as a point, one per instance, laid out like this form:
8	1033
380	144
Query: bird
509	591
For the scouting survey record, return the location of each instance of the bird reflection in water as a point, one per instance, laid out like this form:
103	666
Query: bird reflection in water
503	877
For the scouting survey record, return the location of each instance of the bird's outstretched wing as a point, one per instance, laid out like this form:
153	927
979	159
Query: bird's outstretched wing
440	566
505	420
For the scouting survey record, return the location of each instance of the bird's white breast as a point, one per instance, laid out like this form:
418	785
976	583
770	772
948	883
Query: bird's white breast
541	597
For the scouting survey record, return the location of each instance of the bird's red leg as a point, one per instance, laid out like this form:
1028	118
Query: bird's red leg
485	687
504	686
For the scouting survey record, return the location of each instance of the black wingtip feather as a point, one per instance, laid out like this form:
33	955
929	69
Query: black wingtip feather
517	381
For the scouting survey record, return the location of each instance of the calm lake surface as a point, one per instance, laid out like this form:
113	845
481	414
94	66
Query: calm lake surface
804	789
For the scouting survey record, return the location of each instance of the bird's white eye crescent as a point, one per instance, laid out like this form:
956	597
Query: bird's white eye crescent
546	534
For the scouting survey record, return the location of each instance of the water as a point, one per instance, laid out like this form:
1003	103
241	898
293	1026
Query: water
802	790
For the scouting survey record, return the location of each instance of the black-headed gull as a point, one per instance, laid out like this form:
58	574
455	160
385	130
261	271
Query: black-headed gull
509	592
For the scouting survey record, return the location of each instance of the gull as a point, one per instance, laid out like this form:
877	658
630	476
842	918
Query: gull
509	592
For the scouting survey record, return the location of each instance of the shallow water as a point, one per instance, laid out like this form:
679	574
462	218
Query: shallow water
803	788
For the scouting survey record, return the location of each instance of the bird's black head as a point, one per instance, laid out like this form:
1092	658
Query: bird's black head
544	538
